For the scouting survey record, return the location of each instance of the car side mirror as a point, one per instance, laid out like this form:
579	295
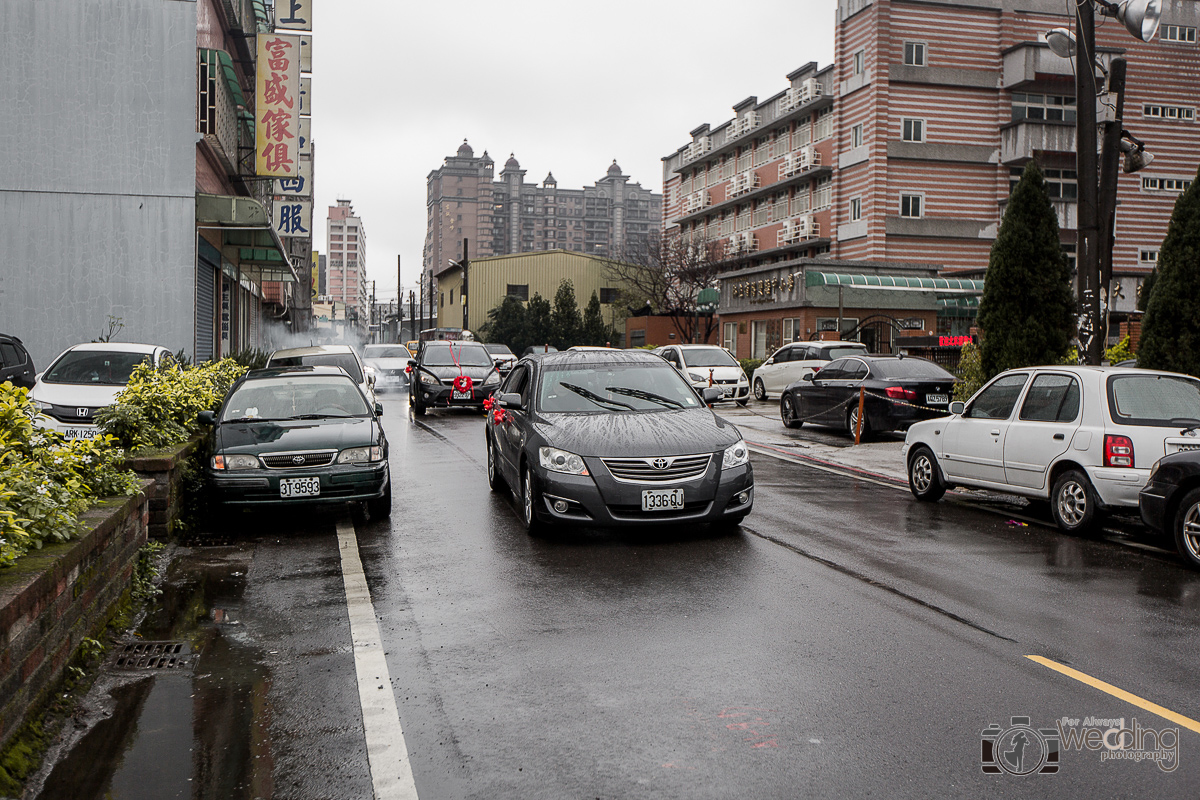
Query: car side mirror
379	409
511	400
206	417
412	362
711	394
808	376
769	361
957	407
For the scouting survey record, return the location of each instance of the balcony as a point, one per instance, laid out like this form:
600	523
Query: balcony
1019	141
1032	62
218	97
1067	212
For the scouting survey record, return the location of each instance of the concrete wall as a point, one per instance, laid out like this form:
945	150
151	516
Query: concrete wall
97	182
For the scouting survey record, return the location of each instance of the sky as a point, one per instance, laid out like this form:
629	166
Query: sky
564	86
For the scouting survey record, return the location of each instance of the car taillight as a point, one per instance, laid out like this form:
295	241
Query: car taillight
900	393
1118	451
816	370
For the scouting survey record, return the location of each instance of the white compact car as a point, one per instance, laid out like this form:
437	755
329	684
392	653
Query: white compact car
329	355
389	362
707	365
792	362
86	378
1084	438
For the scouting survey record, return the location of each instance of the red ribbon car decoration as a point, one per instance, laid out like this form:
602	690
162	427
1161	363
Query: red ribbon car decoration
463	383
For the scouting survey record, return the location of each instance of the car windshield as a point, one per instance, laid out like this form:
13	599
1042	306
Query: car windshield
443	354
295	397
829	354
95	367
902	368
1160	400
601	388
708	357
498	349
346	361
386	351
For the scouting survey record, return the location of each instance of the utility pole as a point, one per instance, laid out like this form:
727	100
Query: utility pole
1091	306
463	292
371	329
412	314
399	300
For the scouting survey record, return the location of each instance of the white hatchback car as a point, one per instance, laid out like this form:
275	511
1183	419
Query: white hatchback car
1084	438
792	362
85	379
329	355
707	365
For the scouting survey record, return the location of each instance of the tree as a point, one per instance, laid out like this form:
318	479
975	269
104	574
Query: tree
594	331
506	324
538	328
565	321
668	272
1171	328
1026	314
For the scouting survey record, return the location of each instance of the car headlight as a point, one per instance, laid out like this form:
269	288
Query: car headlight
427	377
41	406
557	460
743	379
693	376
357	455
1154	469
492	379
235	462
735	456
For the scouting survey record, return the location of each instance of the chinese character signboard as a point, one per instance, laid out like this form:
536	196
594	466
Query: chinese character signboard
305	136
301	182
293	15
277	124
292	217
316	272
306	54
305	97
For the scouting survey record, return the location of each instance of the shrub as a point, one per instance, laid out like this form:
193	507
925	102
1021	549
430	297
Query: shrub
252	358
970	373
158	407
749	365
45	481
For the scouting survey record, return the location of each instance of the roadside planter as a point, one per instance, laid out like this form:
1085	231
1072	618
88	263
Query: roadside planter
168	469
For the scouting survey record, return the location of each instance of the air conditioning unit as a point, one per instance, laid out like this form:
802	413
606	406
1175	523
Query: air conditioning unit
791	100
810	89
809	158
749	242
806	227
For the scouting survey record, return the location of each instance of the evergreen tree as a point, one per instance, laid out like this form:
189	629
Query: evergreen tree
1026	314
506	324
565	321
538	329
1171	328
595	332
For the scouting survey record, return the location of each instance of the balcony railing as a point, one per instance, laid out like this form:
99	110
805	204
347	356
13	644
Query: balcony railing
216	108
1020	140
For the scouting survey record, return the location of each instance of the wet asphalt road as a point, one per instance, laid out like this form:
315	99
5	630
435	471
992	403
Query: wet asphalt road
848	641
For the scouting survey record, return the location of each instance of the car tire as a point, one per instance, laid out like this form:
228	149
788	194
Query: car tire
529	497
495	479
787	412
418	409
1187	528
381	507
743	402
924	476
760	391
852	422
1073	503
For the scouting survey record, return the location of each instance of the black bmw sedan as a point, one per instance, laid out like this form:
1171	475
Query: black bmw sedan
896	390
614	438
451	375
297	436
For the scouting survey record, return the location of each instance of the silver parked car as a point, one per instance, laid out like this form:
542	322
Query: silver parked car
1084	438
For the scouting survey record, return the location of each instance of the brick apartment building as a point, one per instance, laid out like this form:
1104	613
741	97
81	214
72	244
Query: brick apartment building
906	149
509	215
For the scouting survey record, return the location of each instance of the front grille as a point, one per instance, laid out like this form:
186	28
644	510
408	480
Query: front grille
71	414
667	469
299	460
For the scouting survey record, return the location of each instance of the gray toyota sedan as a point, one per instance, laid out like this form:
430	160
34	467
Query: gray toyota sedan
614	438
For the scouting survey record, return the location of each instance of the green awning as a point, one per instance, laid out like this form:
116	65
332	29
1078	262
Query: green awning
245	224
231	78
958	306
894	283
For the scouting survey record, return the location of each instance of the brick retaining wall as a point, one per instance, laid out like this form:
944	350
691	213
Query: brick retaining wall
165	469
54	597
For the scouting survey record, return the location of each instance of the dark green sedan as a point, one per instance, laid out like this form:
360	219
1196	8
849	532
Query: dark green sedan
299	436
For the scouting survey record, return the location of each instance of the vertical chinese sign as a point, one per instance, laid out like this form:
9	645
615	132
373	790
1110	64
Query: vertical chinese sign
277	120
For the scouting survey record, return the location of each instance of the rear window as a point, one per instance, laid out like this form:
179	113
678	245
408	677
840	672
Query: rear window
346	361
386	351
829	354
1154	400
910	368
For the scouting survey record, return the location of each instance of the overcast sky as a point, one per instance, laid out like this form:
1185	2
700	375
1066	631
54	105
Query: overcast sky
565	86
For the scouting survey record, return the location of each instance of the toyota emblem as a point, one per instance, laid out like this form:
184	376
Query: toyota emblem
297	459
660	463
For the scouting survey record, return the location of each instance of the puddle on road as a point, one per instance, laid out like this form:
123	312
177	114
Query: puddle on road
203	733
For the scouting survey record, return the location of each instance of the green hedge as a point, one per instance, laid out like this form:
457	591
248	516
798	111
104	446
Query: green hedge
749	365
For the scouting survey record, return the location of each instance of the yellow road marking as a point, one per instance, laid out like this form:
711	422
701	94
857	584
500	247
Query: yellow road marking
1121	694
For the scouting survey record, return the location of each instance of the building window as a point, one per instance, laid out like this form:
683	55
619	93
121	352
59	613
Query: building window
1069	249
855	209
451	297
856	135
913	130
1061	184
1177	33
914	54
791	330
442	299
1148	256
1052	107
857	62
758	339
912	205
519	291
608	294
1169	112
1166	184
824	128
729	337
823	194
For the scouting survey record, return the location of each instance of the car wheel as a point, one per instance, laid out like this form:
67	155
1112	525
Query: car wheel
381	507
760	391
852	422
1073	502
417	408
529	497
787	412
924	478
1187	528
495	480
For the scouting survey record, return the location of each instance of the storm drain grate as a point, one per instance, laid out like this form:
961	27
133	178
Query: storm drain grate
153	655
208	541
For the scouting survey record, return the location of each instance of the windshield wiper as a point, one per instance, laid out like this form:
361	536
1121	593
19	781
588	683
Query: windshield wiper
250	419
1192	424
595	398
642	394
320	416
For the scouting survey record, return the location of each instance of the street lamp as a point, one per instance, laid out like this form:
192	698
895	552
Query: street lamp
1097	181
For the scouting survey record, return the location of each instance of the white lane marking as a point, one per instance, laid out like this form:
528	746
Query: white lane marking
387	753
